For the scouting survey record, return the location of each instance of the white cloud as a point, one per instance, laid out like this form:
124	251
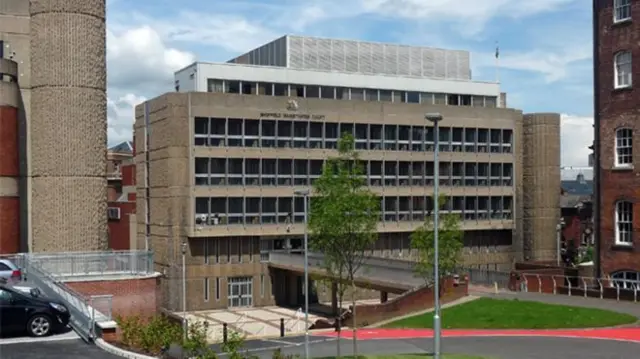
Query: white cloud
576	137
139	64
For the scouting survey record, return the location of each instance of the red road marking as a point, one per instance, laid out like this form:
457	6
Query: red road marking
624	334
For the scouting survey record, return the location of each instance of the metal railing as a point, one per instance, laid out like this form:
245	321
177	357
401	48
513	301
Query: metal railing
588	287
82	264
487	277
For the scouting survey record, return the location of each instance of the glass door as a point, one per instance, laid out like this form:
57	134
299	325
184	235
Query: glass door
240	292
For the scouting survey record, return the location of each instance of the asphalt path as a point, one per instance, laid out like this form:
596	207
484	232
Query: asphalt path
493	347
53	349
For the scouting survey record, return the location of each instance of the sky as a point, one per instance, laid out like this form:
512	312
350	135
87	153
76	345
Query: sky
545	46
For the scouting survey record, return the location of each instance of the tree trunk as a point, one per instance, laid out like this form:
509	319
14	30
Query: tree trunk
339	327
354	322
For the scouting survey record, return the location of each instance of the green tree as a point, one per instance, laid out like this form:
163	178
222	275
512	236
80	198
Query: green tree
450	237
343	220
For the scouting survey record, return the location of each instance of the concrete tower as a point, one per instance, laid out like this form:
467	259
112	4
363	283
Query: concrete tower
9	158
68	126
541	179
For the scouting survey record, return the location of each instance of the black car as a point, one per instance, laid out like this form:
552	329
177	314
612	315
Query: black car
23	308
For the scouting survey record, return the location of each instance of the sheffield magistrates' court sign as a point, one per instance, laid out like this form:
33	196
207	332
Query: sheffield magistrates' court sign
293	116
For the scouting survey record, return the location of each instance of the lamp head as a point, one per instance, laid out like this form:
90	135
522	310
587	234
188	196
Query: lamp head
434	117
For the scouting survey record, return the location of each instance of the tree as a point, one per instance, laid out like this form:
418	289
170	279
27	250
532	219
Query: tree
343	220
450	243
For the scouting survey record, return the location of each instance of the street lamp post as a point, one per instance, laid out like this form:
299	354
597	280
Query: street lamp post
305	195
183	247
435	118
559	227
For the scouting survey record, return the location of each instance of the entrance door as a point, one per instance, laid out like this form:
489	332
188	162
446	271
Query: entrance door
240	292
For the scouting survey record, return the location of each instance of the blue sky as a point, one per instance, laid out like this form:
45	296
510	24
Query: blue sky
545	45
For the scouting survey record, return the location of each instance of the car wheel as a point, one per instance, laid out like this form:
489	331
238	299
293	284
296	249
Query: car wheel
39	325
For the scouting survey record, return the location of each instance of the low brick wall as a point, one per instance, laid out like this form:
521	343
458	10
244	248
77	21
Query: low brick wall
131	296
410	302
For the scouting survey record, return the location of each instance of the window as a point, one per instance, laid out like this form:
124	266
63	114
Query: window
624	223
624	147
206	289
113	213
5	296
622	10
626	279
622	69
262	285
218	288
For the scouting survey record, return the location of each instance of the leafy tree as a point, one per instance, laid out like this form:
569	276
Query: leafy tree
343	220
450	243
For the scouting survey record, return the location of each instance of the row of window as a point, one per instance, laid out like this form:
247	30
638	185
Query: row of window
237	132
288	172
285	210
347	93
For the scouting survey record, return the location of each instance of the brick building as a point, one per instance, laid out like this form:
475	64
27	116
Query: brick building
121	206
616	26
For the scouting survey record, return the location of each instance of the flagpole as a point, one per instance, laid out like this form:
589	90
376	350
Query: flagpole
497	63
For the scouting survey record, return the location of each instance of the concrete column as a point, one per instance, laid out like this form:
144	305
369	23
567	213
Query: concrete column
384	297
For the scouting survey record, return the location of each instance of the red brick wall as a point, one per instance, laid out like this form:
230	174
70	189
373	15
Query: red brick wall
119	235
572	229
9	225
130	296
617	108
9	167
409	302
128	174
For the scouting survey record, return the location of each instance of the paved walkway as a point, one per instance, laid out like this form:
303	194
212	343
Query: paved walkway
576	301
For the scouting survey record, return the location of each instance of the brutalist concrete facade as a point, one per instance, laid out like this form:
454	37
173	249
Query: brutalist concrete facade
170	154
541	183
67	126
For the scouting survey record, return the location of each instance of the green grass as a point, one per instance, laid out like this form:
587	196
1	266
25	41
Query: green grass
486	313
411	356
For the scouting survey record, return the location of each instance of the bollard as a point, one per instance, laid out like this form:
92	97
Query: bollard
495	286
224	333
281	327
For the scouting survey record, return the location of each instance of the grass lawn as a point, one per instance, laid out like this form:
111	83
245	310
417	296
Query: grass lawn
487	313
411	356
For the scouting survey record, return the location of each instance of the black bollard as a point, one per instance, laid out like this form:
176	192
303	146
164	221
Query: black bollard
281	327
224	333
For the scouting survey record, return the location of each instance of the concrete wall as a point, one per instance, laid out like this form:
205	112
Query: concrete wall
68	127
541	183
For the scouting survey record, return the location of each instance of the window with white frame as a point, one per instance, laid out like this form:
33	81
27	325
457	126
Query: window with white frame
622	10
624	223
622	69
625	280
624	147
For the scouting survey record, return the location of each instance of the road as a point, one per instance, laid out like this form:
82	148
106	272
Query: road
494	347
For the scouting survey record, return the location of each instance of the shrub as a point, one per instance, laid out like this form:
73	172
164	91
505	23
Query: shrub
151	336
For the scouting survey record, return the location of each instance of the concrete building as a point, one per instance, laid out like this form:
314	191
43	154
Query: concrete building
617	165
218	161
59	48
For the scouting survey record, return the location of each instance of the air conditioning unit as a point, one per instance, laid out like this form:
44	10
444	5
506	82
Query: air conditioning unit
201	219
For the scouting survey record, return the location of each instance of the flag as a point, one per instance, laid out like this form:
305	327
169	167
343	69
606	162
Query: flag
497	51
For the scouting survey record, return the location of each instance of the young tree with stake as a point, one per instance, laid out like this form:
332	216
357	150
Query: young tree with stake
450	239
344	216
